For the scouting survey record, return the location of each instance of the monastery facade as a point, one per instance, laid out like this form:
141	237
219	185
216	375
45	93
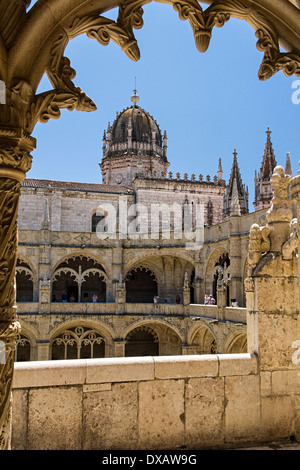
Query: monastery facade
93	257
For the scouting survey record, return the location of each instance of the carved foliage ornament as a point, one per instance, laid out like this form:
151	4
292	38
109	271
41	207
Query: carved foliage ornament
65	95
218	13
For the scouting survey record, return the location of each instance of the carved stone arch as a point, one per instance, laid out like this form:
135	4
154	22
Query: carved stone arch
26	280
160	327
32	48
211	265
140	266
86	254
202	340
24	259
149	262
236	342
75	340
89	271
105	330
79	278
65	270
142	340
23	348
27	338
141	285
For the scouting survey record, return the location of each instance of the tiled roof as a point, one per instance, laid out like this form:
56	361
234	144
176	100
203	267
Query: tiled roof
71	186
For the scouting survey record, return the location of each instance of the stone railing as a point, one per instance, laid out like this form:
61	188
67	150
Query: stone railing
138	403
197	310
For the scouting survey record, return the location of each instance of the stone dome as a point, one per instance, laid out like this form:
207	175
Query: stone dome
143	127
134	131
133	147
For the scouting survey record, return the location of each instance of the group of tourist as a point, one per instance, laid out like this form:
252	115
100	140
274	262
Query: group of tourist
209	300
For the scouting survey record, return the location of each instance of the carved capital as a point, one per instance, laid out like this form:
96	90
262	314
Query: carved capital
15	157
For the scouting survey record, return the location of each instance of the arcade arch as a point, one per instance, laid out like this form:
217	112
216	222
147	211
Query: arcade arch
218	262
203	341
25	280
79	278
152	338
236	342
163	274
77	342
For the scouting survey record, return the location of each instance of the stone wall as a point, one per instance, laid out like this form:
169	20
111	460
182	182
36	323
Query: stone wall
190	402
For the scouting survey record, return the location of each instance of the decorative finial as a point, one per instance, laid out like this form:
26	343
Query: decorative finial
135	97
220	170
288	166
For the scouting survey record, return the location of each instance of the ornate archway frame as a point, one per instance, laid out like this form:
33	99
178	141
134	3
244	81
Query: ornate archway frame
34	42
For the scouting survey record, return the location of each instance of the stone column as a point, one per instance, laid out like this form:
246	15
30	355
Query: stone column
117	268
119	345
15	161
221	297
272	285
186	291
236	286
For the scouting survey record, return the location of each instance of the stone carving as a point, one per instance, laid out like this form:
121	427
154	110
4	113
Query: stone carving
65	94
280	210
218	13
15	158
280	234
290	247
259	243
202	22
8	334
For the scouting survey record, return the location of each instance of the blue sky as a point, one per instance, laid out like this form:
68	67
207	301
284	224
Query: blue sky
209	104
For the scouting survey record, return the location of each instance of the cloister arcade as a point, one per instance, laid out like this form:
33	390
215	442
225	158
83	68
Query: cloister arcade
84	339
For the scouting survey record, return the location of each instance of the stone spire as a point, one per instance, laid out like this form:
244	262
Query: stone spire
220	170
235	208
236	192
288	165
262	182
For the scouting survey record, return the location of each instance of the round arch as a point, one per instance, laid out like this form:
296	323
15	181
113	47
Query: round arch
169	271
26	279
80	339
202	339
81	254
168	337
79	278
236	342
26	347
141	285
214	263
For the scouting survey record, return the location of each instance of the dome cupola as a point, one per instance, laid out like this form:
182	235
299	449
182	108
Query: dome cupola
136	138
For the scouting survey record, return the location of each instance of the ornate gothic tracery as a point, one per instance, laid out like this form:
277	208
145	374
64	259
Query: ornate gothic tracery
78	343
